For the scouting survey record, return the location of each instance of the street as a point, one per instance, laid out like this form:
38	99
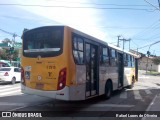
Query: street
138	98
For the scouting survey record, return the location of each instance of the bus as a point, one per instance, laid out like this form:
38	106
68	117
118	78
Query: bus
63	63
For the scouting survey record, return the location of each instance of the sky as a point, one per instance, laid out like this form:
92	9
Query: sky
137	20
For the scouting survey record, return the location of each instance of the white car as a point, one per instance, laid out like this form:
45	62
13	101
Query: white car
10	74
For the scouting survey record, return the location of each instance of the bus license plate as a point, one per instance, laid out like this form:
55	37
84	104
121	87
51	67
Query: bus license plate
39	86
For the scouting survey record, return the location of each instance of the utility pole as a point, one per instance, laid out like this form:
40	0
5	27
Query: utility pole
118	40
125	40
137	51
148	53
12	47
129	44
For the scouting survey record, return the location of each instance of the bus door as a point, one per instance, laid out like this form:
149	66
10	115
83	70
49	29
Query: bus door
91	70
136	69
120	70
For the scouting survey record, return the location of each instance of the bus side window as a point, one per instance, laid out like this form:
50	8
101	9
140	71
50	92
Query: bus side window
78	50
100	56
133	60
124	59
104	56
129	61
113	58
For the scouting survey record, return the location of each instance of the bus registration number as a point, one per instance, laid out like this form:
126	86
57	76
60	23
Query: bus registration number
39	86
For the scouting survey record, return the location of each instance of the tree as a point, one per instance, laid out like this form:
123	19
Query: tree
8	53
3	54
15	55
156	60
6	40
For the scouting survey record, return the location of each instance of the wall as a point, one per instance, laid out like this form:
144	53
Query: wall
151	66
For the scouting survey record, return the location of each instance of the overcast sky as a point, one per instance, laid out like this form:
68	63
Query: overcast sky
104	19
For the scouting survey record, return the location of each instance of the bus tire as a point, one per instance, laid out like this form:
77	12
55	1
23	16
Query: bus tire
108	89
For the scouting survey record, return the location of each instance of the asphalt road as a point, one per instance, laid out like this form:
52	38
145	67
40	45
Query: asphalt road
132	100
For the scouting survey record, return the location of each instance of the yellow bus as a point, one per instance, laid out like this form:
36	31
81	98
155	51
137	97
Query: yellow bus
63	63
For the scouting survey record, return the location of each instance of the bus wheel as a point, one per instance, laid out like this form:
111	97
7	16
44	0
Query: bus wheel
108	90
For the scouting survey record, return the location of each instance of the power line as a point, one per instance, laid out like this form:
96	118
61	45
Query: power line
143	9
149	45
120	27
13	34
140	34
153	37
152	5
134	43
153	25
101	4
109	27
159	3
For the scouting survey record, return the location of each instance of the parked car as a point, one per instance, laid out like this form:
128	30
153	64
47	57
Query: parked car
10	74
2	64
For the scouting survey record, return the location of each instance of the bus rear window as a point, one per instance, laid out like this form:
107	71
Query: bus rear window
44	42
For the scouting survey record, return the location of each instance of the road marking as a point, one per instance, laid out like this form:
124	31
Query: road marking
111	105
137	95
3	87
123	95
96	105
143	77
10	89
149	107
148	91
9	86
10	92
27	105
12	104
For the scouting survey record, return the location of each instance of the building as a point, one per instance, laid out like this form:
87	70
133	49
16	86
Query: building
144	61
137	53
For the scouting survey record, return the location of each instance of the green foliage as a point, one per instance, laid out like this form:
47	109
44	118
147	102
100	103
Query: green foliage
3	54
156	60
6	40
15	55
153	73
6	54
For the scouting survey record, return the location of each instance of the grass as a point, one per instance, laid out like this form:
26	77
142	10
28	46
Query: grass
153	73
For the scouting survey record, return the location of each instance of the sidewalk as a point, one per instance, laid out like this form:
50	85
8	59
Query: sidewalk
143	72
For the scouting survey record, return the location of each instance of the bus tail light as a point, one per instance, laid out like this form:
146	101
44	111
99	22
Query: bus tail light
62	79
22	76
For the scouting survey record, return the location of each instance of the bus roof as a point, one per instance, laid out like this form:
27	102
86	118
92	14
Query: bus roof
88	36
122	51
75	31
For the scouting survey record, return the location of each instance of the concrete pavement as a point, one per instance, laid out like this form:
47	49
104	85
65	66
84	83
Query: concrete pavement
154	107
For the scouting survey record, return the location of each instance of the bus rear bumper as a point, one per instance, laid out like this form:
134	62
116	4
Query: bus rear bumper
60	94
